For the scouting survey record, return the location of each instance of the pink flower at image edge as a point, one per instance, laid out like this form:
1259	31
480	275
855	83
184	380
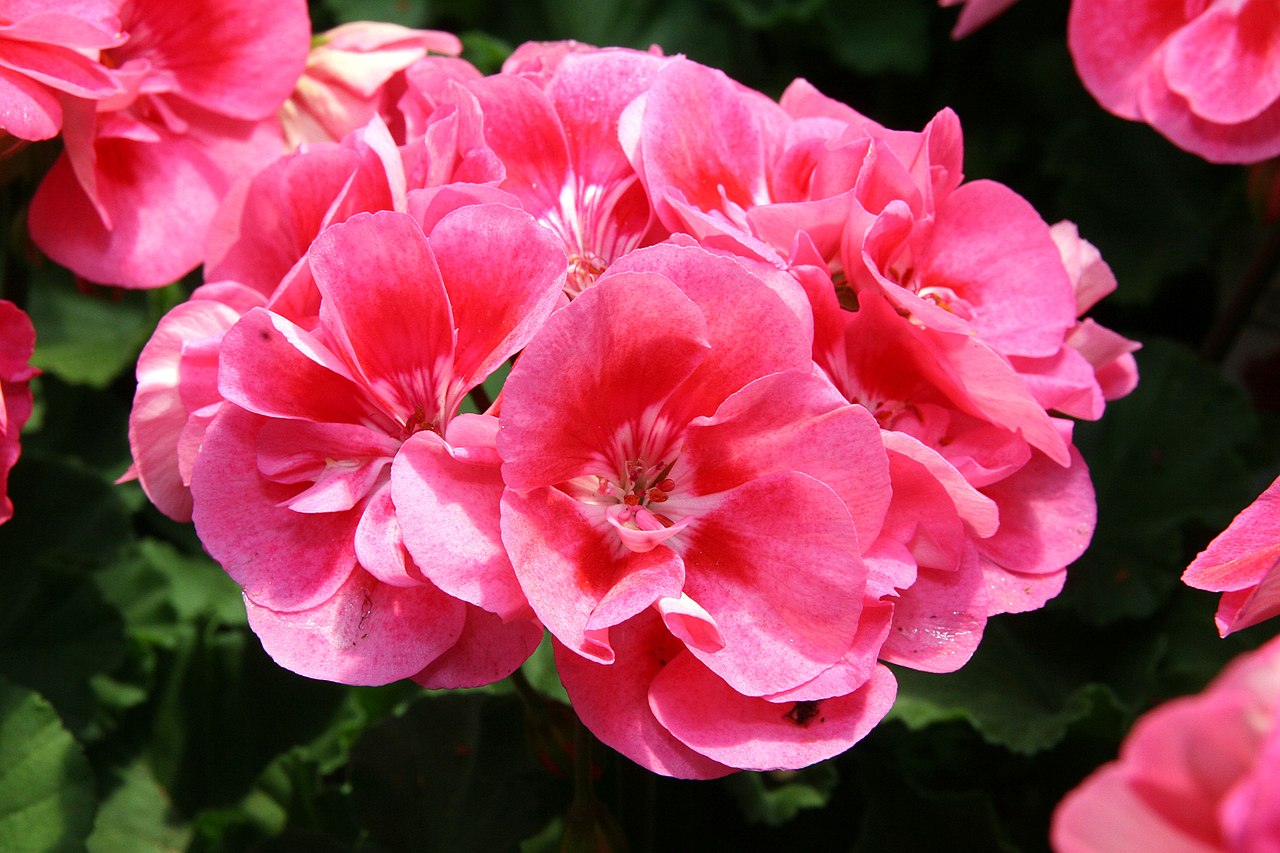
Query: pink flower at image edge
17	342
1195	775
1242	563
1205	75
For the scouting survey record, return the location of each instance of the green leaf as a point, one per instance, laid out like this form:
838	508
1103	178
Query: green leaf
46	784
1168	459
775	798
56	632
874	37
540	669
224	711
409	13
64	516
160	590
771	14
453	773
137	817
85	337
1024	686
487	53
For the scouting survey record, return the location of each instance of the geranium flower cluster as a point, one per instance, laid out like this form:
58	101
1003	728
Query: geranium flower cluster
788	399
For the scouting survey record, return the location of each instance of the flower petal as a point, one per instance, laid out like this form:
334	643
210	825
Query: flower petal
755	734
365	633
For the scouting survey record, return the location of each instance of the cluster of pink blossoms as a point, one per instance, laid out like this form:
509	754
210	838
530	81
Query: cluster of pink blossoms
788	399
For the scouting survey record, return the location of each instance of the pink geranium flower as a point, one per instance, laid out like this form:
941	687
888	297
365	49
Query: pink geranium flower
49	62
1205	74
552	120
320	424
1196	775
1243	563
17	342
131	198
354	72
684	510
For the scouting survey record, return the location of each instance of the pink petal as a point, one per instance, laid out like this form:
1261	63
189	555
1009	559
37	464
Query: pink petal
1106	815
523	130
632	340
271	366
283	559
750	327
1226	62
576	583
1242	561
708	138
858	664
1110	354
939	620
755	734
1064	382
340	463
1047	516
30	111
56	66
489	650
380	544
977	510
449	512
265	225
384	305
794	422
742	560
690	623
1250	141
503	273
240	62
159	413
159	198
1019	592
1112	42
613	700
365	633
589	92
975	14
989	245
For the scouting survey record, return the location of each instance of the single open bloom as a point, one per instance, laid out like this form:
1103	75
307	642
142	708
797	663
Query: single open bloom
685	501
553	125
131	197
320	425
1243	563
